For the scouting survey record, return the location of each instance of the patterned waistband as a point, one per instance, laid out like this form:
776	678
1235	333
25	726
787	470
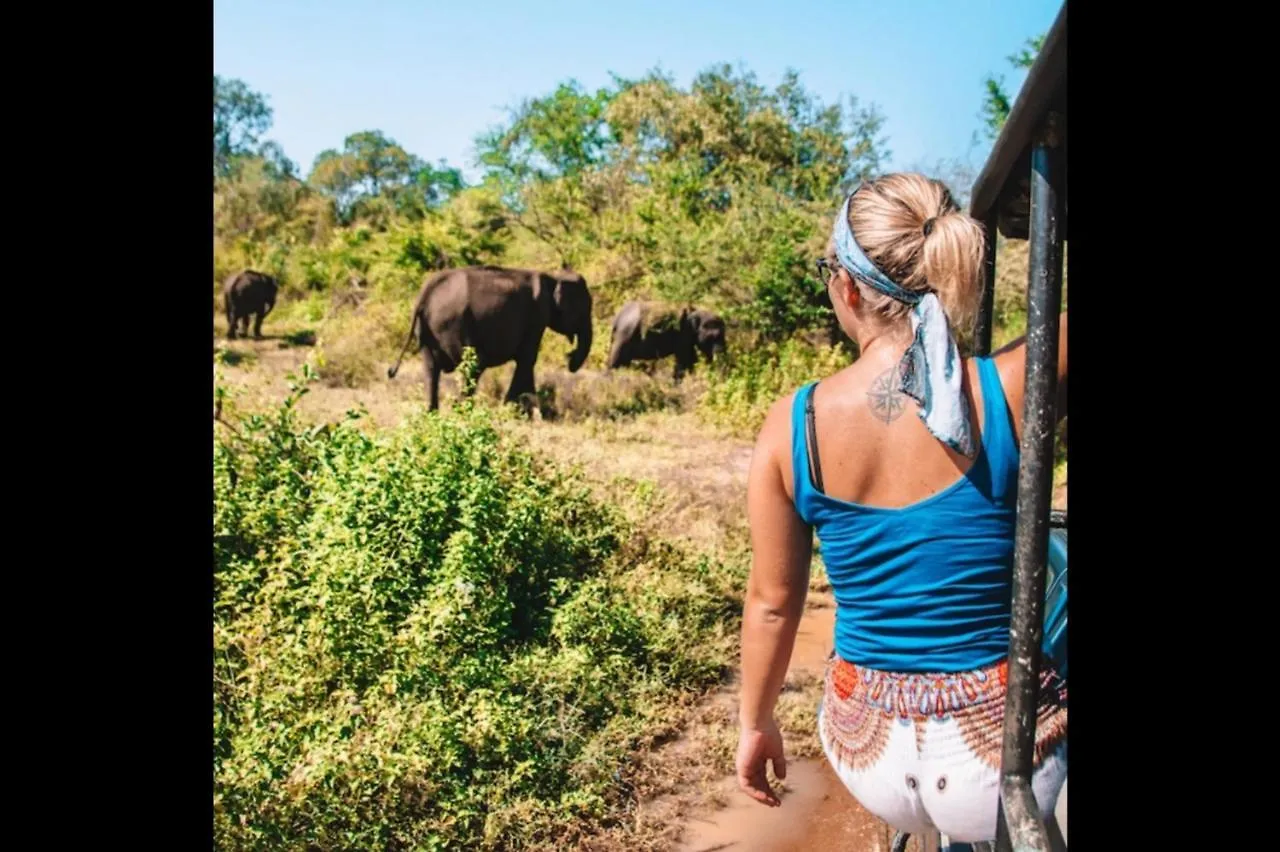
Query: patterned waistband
861	706
920	696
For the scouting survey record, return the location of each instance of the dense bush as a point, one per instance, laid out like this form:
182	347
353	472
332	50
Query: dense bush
430	639
739	394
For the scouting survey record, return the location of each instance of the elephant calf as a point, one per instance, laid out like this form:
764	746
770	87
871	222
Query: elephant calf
245	293
501	313
647	331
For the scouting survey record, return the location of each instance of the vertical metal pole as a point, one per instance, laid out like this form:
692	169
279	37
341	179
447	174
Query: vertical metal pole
1019	820
986	312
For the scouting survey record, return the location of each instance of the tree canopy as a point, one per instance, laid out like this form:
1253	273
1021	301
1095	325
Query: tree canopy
720	192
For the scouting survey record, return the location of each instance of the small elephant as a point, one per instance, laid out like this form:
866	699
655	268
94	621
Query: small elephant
245	293
502	313
647	331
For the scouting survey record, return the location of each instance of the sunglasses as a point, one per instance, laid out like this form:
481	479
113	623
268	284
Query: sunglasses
827	270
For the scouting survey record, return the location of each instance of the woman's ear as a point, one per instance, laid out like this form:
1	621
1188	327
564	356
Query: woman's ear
848	291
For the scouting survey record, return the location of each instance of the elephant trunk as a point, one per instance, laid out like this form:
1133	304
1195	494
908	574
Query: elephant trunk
580	352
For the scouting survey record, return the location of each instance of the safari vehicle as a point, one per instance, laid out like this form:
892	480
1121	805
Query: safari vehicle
1022	193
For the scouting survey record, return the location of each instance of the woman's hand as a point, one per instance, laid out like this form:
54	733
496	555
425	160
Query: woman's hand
755	747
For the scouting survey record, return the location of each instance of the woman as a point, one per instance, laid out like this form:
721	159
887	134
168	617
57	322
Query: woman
905	464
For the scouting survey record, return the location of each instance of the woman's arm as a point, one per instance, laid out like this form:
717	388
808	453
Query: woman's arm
782	546
1011	363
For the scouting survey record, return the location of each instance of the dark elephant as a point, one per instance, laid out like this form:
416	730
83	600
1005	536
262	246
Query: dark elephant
647	331
503	314
248	293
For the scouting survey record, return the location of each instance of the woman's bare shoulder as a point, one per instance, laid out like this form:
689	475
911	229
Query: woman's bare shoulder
776	428
1011	359
773	441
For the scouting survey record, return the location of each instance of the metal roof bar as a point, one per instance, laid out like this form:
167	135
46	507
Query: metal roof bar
1020	825
986	311
1043	83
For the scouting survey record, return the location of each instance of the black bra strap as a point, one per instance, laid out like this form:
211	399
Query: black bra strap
811	442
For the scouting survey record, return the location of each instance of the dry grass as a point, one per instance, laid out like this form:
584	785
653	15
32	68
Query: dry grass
685	481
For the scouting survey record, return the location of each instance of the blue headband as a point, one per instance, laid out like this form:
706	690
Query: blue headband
928	371
860	266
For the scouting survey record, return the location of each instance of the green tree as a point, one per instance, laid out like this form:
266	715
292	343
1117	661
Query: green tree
240	117
559	135
718	192
373	178
996	103
278	165
438	183
650	173
540	159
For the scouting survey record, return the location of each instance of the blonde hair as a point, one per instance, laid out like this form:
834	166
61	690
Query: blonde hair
888	217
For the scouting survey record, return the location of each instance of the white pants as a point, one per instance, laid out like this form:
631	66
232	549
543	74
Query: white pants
936	769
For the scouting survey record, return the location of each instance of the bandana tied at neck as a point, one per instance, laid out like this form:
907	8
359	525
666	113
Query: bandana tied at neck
930	371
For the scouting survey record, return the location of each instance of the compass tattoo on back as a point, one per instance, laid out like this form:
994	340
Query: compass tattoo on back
886	401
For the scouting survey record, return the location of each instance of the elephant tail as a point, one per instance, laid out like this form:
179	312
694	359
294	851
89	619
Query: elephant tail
413	327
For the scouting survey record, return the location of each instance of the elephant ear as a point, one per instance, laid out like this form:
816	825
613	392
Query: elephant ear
544	294
691	318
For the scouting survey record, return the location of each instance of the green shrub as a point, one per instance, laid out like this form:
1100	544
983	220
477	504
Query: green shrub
752	378
431	639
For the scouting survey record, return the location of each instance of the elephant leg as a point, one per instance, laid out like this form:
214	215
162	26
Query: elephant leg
231	325
257	323
523	391
432	379
684	367
522	381
617	355
685	358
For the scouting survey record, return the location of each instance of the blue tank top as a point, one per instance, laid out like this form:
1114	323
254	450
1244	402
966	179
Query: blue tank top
923	588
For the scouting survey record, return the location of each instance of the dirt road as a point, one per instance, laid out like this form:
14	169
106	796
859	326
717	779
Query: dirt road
816	811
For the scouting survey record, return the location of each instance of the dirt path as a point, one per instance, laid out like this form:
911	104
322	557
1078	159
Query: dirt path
816	811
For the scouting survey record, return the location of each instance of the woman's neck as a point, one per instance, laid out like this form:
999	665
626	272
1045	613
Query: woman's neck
892	339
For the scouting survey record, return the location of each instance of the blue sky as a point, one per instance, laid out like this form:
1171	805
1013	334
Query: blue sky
432	75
